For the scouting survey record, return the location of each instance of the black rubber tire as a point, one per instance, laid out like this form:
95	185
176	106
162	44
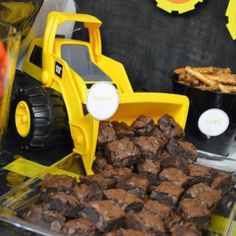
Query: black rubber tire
49	120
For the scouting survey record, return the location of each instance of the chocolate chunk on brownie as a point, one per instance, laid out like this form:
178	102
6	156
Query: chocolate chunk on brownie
157	208
79	227
178	163
47	219
175	220
148	146
122	130
62	183
53	220
143	125
170	128
98	180
200	173
183	149
99	164
145	221
162	139
180	230
116	172
163	154
86	193
32	213
222	181
175	176
122	152
127	201
199	170
127	232
106	215
150	169
133	183
166	193
106	134
192	211
68	205
205	194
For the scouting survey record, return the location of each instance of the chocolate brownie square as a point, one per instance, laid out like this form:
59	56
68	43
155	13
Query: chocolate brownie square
170	128
143	125
133	183
127	201
106	215
192	211
205	194
178	163
222	181
68	205
145	221
122	152
183	149
32	214
106	134
86	193
98	180
157	208
162	139
79	227
175	176
62	183
122	130
47	219
166	193
128	232
148	146
150	169
200	173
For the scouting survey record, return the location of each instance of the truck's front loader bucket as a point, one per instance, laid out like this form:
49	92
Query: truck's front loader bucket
131	106
152	104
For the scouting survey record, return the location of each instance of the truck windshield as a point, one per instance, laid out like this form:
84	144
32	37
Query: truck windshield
78	58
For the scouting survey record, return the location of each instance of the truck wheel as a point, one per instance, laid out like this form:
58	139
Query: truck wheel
38	118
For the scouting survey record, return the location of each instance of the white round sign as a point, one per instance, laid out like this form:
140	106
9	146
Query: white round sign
213	122
102	100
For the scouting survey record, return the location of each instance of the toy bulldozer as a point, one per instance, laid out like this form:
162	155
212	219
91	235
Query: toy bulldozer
50	95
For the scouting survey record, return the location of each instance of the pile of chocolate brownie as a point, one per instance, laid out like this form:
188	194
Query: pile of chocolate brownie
146	182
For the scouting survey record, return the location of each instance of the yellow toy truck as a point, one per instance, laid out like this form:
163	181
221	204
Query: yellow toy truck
50	95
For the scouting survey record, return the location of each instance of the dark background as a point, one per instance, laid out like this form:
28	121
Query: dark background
150	42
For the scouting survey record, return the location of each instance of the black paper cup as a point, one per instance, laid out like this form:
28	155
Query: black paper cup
211	122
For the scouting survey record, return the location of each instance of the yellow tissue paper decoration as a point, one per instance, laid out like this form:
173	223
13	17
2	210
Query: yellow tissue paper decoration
231	13
180	6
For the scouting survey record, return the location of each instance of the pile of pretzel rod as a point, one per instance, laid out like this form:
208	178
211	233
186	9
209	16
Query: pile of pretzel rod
208	78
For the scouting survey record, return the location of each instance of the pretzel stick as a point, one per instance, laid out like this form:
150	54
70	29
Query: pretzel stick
205	70
227	88
199	76
223	71
179	71
214	88
223	79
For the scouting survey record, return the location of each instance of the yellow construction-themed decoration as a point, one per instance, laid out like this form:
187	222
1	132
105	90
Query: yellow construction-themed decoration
231	14
180	6
63	69
27	168
22	118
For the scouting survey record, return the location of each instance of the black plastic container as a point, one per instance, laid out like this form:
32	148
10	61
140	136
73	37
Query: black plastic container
201	104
